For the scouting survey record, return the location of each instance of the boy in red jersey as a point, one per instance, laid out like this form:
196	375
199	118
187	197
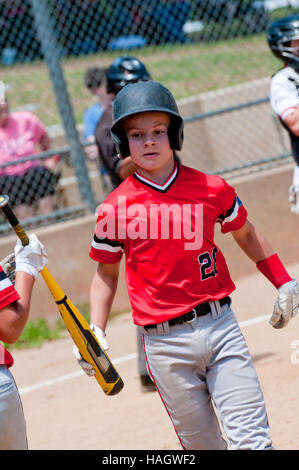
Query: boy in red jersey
163	219
14	310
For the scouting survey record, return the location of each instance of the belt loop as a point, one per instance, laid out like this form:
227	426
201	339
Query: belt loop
160	329
213	310
216	308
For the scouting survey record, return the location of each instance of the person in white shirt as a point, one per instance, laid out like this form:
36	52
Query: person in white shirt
283	40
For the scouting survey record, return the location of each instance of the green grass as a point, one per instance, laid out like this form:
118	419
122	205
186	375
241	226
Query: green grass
35	333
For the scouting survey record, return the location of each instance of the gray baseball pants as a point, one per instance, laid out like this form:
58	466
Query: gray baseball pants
12	421
207	381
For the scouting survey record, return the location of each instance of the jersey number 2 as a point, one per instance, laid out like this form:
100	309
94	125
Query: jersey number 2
206	263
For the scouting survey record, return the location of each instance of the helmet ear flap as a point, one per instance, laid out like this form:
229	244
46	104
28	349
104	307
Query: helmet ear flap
121	142
176	133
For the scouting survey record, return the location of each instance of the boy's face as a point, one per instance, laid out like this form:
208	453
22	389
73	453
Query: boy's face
147	134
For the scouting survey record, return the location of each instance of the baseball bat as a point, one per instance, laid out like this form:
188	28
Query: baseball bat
79	329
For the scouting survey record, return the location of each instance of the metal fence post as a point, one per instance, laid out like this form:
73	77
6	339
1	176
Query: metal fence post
46	33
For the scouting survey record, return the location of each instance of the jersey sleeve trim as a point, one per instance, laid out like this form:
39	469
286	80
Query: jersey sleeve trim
6	358
8	294
105	244
106	251
234	218
287	111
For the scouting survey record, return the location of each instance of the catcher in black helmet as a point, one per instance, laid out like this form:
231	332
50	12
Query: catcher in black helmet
283	40
124	70
162	220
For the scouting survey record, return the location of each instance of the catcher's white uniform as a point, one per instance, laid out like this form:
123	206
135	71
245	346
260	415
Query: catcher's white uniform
284	99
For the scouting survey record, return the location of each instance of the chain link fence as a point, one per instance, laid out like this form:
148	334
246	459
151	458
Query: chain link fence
212	54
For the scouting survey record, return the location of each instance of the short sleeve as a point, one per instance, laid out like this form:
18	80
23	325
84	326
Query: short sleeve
8	294
37	127
284	97
105	247
234	214
105	250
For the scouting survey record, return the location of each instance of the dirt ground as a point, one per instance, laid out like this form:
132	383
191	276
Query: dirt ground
65	409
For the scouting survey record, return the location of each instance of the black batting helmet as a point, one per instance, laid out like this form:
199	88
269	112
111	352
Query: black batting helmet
124	70
141	97
279	35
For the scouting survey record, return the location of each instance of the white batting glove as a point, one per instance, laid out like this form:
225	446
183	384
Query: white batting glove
31	258
294	198
101	337
9	267
286	305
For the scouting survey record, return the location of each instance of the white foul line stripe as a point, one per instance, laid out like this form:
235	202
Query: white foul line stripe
119	360
46	383
71	375
255	320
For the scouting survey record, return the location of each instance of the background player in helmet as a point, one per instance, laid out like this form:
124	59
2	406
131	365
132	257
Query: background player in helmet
15	301
178	283
283	39
123	70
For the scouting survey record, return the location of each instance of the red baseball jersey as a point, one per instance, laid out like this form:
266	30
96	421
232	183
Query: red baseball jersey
167	235
8	295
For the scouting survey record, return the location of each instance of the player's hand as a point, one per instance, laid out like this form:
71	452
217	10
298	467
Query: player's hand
92	152
101	337
294	198
31	258
9	267
286	305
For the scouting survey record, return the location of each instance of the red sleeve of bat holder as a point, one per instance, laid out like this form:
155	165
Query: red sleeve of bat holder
273	269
